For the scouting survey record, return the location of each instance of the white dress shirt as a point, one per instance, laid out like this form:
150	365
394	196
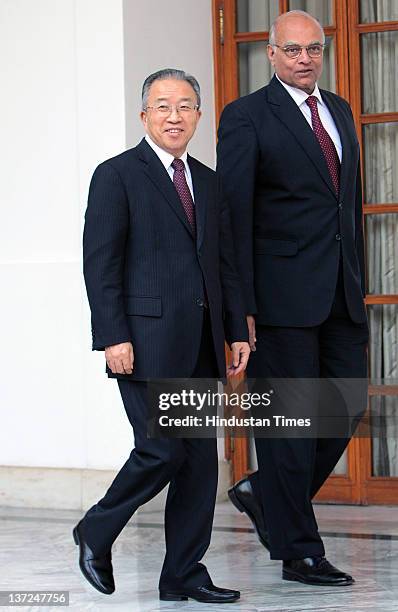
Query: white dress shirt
300	96
167	160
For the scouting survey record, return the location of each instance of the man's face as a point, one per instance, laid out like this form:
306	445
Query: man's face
303	71
171	131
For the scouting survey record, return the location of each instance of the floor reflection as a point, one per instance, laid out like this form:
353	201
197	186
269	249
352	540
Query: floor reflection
37	552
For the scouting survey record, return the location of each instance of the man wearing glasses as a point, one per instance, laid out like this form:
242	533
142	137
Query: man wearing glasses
163	293
289	159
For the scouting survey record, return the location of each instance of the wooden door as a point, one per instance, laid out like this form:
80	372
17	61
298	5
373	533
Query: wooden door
360	65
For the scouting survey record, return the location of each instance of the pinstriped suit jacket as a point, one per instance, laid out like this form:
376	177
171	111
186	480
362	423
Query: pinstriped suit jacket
144	271
290	226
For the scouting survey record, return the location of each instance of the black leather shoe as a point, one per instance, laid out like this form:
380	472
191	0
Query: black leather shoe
207	593
315	570
243	498
97	570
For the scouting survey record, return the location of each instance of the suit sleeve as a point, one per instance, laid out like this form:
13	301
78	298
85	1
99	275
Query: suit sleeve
235	325
237	157
104	241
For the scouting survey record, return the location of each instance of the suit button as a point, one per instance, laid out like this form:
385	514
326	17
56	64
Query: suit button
340	205
200	302
338	237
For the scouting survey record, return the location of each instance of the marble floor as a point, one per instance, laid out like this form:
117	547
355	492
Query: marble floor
37	552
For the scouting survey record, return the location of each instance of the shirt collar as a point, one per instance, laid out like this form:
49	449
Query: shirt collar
298	95
165	157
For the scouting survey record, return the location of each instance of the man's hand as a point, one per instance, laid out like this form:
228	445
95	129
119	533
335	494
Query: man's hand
251	324
240	357
120	358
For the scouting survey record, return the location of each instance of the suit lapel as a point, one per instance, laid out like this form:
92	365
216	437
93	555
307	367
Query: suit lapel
345	131
287	111
200	196
158	175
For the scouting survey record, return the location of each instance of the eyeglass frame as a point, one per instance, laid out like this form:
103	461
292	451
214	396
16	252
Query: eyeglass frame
306	47
171	107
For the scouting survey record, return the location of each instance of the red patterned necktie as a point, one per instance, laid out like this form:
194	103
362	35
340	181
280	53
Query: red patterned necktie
326	143
183	191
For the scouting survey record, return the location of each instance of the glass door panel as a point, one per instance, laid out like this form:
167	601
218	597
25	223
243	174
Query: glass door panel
322	10
328	78
254	68
375	11
381	232
379	52
255	15
384	417
380	146
341	468
383	343
383	360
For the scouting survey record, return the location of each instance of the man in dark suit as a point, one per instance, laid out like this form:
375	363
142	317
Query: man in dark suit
289	158
163	291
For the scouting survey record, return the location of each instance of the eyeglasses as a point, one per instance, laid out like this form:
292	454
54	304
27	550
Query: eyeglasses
181	109
293	51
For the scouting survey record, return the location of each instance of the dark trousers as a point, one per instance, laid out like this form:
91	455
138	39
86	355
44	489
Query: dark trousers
292	470
189	466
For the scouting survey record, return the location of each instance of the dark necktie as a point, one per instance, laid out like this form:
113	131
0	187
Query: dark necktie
183	191
326	143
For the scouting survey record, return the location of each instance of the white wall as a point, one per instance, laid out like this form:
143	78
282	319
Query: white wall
171	34
71	77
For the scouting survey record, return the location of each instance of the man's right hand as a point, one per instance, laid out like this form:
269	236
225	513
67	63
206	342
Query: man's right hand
120	358
251	324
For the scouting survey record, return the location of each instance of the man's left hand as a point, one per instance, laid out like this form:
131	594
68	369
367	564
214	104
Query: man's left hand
240	357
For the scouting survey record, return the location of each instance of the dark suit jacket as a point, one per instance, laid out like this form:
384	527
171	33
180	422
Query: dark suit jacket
289	226
144	272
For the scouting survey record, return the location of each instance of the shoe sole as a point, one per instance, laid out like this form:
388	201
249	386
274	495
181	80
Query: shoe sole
239	506
294	578
170	596
75	536
85	574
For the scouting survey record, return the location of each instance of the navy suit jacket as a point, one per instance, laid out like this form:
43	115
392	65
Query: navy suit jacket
290	227
147	278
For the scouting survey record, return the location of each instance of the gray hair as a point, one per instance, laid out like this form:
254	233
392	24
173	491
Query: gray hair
169	73
274	26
